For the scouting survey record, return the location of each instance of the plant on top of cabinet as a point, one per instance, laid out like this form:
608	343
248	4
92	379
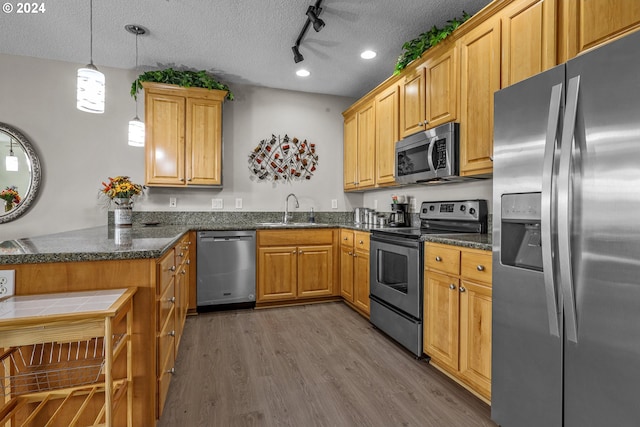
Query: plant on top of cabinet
184	78
413	49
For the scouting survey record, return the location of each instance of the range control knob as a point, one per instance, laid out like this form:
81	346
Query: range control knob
432	208
463	208
472	211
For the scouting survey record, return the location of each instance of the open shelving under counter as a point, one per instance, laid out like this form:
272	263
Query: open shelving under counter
66	359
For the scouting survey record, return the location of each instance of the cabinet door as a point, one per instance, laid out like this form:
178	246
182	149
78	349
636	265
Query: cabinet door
165	142
204	142
350	166
315	271
361	281
346	272
479	79
412	103
441	80
528	39
475	336
387	117
441	303
277	273
591	23
366	146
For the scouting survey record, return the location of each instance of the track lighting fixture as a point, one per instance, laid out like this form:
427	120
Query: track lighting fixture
312	18
313	13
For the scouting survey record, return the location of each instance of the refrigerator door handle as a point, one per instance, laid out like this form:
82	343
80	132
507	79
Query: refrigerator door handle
546	216
564	209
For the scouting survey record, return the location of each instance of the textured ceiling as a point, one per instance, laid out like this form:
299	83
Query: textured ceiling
240	41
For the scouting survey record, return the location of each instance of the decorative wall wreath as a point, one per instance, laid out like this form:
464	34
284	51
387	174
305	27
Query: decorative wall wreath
283	159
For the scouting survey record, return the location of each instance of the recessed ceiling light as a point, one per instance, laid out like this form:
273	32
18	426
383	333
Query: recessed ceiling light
303	73
368	54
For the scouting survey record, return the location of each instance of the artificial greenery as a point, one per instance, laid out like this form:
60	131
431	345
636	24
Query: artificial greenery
181	78
416	47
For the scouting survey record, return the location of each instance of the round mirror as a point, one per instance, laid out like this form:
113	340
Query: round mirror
20	173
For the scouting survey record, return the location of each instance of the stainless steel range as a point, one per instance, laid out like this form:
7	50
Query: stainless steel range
396	272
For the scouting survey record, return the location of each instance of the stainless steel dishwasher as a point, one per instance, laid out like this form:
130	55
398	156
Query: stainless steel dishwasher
226	268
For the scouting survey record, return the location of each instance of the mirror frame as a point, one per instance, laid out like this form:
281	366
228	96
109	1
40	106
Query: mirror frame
36	174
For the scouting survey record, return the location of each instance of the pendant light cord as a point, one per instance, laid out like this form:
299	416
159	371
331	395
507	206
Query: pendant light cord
91	31
136	70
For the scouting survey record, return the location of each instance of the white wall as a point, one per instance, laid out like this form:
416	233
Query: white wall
80	150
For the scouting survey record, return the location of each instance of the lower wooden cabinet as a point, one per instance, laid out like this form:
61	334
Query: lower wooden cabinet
354	269
296	265
172	300
457	319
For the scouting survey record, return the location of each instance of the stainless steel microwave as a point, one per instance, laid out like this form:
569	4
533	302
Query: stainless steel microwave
430	155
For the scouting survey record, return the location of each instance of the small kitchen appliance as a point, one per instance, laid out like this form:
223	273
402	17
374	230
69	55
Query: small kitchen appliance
400	216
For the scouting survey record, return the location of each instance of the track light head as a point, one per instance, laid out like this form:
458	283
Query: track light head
312	14
297	56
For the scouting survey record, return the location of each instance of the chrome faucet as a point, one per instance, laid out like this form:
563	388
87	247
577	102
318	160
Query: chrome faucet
287	215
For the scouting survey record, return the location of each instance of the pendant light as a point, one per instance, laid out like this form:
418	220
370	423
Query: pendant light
11	161
136	126
90	83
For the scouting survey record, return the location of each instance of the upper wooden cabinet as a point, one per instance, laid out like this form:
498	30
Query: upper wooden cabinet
359	148
587	24
386	134
429	94
528	39
183	135
479	79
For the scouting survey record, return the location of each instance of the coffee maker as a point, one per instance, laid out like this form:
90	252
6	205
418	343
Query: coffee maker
400	216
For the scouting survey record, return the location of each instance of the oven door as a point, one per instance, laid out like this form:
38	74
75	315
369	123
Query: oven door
396	272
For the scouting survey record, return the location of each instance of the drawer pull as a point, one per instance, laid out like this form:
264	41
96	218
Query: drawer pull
172	300
173	268
350	253
171	371
462	289
294	252
346	238
181	254
438	259
452	287
480	267
188	261
300	251
183	272
362	242
172	334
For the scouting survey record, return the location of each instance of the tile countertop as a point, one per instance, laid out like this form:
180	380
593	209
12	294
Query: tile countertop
109	243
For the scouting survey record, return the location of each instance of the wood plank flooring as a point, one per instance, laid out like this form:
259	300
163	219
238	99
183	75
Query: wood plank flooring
313	365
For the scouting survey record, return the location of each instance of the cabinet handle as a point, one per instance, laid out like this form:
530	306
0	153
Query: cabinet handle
172	334
480	267
181	179
438	259
294	252
172	300
426	122
188	261
300	251
462	289
189	180
346	238
173	268
355	255
181	254
183	272
452	287
362	242
350	253
171	371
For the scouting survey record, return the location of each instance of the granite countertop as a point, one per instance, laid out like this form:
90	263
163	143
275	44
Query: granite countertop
139	242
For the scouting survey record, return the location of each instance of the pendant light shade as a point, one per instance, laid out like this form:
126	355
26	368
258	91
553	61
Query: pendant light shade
136	126
136	132
90	95
90	81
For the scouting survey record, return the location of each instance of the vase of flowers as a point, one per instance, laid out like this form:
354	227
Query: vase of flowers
11	197
121	191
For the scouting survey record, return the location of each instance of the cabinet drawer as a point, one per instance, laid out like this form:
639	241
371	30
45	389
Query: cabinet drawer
166	268
442	258
361	241
295	237
166	303
346	238
164	379
182	250
166	343
477	266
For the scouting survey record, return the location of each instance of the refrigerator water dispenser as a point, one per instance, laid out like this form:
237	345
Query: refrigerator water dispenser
520	238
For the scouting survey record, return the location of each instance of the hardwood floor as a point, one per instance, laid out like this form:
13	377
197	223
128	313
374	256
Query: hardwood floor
313	365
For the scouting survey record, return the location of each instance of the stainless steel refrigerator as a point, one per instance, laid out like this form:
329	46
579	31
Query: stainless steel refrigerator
566	239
